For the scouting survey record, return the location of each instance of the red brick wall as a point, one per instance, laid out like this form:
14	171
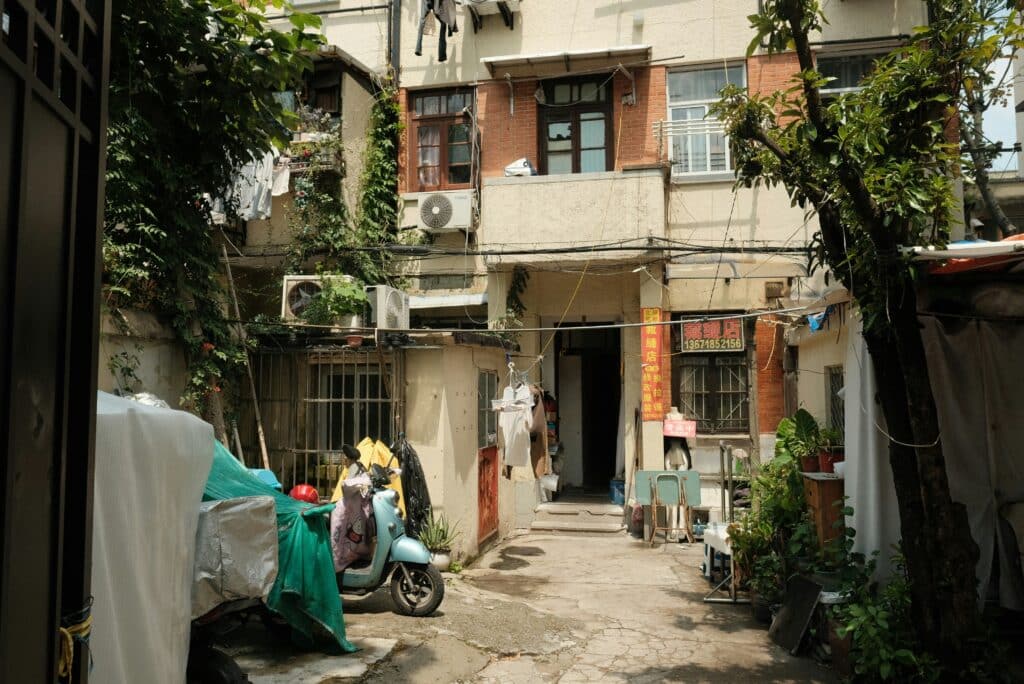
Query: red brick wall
768	73
504	136
632	126
770	348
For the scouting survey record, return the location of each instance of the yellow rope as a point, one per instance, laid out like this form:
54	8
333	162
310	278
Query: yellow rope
67	645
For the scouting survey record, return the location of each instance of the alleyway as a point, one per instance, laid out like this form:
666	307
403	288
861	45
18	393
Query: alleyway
545	608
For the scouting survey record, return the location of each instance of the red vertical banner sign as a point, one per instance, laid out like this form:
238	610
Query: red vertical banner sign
651	402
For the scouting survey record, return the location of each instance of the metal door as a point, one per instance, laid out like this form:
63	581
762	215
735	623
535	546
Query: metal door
487	501
53	94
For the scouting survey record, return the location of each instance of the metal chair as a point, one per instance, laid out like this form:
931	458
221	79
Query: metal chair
667	491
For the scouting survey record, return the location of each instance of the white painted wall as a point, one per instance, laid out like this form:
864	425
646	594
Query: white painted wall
817	350
518	213
720	26
441	423
160	362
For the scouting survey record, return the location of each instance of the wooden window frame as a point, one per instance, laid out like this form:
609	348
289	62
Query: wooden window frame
571	113
444	121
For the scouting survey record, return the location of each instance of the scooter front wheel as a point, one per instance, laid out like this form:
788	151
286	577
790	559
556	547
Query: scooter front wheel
422	595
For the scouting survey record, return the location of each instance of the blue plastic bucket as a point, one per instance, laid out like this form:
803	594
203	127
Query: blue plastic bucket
617	489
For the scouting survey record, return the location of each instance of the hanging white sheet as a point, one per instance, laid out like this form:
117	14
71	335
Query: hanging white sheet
151	468
514	420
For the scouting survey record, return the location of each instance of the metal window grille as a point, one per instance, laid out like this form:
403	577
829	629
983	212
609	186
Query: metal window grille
487	419
713	391
835	406
314	400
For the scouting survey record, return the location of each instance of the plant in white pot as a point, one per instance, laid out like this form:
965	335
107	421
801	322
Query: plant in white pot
341	302
438	535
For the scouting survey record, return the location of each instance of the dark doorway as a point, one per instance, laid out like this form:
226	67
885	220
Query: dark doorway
600	389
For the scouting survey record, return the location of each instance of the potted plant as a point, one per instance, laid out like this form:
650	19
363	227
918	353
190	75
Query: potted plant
340	302
438	535
831	449
765	586
798	438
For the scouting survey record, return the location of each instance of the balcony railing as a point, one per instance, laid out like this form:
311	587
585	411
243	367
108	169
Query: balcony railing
693	147
311	152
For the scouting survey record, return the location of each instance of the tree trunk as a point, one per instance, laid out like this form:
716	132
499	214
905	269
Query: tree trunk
973	140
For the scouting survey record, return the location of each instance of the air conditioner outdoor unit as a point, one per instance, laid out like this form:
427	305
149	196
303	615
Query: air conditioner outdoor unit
298	290
389	308
446	212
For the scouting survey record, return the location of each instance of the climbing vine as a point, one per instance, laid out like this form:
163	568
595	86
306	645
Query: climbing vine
323	226
192	98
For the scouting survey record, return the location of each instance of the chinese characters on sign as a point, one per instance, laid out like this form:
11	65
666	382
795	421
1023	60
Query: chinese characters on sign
652	406
675	427
705	336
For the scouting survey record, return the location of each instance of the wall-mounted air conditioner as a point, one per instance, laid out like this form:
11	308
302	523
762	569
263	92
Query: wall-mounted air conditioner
446	212
389	308
298	290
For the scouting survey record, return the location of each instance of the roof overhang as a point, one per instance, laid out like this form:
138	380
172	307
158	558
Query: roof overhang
446	300
549	64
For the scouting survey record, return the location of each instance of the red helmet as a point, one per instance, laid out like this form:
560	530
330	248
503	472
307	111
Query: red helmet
305	492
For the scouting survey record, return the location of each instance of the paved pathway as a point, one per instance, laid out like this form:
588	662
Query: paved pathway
559	608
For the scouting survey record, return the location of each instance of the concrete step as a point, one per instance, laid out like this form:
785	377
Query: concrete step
571	508
575	526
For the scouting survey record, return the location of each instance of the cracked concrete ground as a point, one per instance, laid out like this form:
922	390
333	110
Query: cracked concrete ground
557	608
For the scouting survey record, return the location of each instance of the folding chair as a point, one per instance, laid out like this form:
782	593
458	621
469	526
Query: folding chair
667	491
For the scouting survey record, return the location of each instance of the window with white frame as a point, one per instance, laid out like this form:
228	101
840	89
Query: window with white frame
698	141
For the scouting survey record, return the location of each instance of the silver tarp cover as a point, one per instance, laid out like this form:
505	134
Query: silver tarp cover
236	552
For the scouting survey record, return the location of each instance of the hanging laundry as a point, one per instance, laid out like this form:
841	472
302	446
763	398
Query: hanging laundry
445	11
515	421
281	179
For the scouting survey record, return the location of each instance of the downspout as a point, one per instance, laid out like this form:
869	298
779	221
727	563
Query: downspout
395	39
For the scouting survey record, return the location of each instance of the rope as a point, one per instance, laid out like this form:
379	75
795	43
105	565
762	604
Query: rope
69	633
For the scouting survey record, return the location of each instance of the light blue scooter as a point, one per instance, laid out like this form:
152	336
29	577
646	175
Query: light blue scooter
417	587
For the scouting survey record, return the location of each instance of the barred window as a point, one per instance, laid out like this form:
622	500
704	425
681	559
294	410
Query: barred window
487	419
835	407
713	391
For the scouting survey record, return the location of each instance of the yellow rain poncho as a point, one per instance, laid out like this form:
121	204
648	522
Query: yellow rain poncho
371	453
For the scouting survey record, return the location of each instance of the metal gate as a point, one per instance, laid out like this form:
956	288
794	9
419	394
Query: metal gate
54	58
312	401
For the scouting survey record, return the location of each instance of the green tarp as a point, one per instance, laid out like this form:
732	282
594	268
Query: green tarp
305	592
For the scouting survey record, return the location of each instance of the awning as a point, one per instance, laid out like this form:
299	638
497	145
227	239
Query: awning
547	64
446	301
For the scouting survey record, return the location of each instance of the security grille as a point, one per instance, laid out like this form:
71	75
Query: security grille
315	400
487	419
835	406
713	391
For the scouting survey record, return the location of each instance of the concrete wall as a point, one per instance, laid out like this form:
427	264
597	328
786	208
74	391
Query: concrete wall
356	107
441	423
827	347
595	207
722	29
138	339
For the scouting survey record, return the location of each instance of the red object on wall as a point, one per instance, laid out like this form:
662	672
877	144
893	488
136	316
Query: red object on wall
305	492
771	348
487	495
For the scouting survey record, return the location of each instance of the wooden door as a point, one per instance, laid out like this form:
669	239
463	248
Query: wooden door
487	501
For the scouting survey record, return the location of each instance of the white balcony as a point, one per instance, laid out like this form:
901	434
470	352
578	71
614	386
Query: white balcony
571	210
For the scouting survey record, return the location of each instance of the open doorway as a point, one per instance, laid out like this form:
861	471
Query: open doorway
588	388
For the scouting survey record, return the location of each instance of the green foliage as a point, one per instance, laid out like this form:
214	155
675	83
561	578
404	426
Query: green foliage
884	647
455	567
513	300
767	577
322	224
338	297
192	88
438	534
830	437
797	437
124	366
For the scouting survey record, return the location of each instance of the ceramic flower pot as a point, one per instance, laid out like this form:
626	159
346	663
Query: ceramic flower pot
441	560
828	457
809	464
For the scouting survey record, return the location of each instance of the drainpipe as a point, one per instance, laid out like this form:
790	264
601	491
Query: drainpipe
395	38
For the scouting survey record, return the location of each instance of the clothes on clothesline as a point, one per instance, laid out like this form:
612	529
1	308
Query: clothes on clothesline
445	11
516	406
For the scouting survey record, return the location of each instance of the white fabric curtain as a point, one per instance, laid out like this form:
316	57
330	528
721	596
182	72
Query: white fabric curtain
869	483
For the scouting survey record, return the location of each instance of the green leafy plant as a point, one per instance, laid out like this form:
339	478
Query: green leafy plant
767	577
830	437
192	98
339	296
797	437
455	567
438	534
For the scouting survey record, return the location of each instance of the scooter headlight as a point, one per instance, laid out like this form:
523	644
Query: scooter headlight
398	512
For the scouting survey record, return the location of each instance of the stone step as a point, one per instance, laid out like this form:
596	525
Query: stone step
557	508
575	526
